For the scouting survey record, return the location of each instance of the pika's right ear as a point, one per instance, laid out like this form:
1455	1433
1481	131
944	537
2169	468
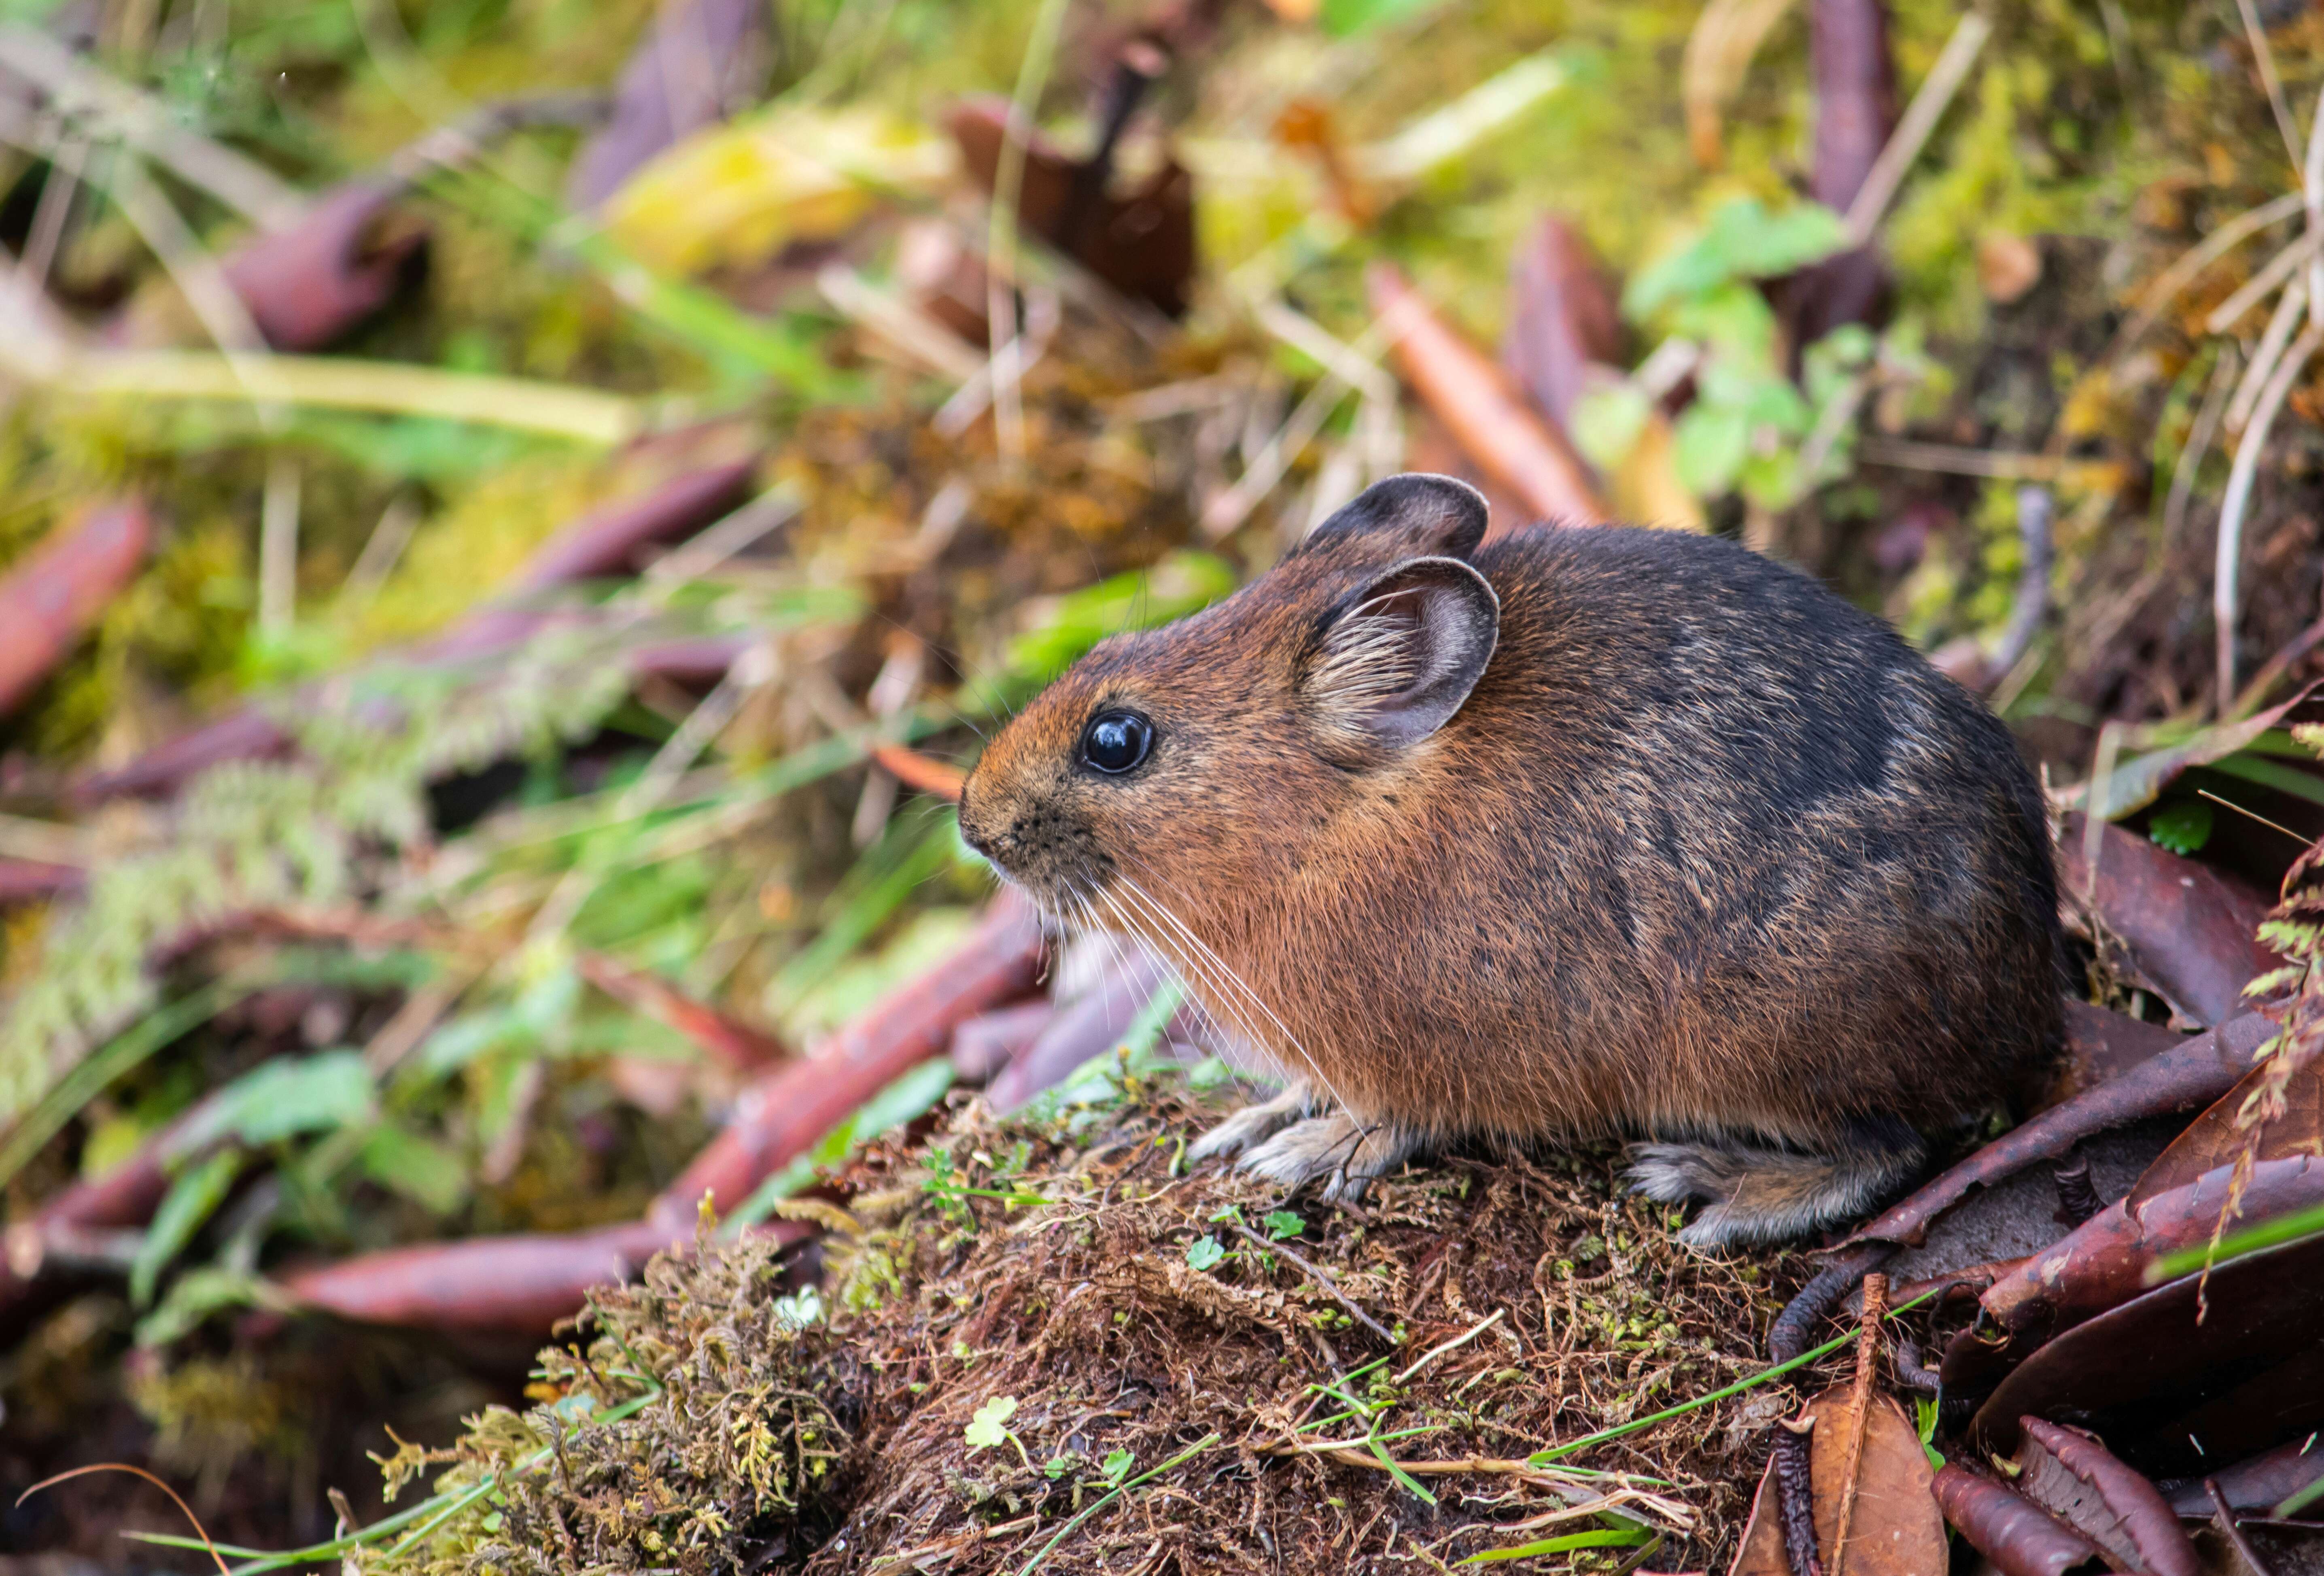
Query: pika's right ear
1418	515
1397	660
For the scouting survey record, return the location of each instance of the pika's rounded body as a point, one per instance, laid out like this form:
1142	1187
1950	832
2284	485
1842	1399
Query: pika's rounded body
1581	833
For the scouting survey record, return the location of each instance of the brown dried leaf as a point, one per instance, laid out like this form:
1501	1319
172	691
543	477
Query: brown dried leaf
1718	58
1141	243
2073	1477
1894	1528
2172	1389
2214	1139
2189	929
57	591
2102	1264
2017	1535
2188	1076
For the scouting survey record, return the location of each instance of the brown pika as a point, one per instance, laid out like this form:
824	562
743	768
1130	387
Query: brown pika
1579	833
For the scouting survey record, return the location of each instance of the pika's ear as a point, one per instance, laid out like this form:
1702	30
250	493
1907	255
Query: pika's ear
1399	657
1409	516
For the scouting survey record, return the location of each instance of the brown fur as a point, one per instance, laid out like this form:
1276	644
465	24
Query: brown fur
1706	855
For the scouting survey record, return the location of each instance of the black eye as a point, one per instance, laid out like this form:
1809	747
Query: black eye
1116	741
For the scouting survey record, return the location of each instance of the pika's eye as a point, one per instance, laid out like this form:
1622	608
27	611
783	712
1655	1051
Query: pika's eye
1116	741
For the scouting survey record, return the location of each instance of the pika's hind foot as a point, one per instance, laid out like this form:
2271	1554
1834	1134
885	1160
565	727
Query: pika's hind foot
1754	1196
1253	1125
1342	1153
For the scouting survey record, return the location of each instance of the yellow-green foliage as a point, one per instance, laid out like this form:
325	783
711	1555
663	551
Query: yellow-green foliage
473	546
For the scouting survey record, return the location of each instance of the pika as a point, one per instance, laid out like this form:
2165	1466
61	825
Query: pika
1584	833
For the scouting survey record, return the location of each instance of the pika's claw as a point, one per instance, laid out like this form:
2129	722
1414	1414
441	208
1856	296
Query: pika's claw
1252	1125
1337	1150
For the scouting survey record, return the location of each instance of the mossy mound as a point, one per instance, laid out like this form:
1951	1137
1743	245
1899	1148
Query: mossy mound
1036	1343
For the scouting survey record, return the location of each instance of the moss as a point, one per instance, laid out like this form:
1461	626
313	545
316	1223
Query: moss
1036	1273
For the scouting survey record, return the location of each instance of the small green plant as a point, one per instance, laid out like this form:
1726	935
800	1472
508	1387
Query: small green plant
1204	1253
2182	826
1282	1225
1117	1465
1924	1412
989	1427
1750	428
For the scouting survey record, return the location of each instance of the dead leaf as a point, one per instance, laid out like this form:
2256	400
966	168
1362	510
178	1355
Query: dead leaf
55	593
2102	1264
307	286
2188	1076
2189	929
2074	1478
2262	1482
2135	784
2007	265
1885	1504
1895	1530
702	60
1562	319
2172	1392
1718	53
2214	1139
2017	1535
1141	242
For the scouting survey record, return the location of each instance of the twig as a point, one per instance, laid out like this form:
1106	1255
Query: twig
1321	1278
83	91
137	1471
2280	326
915	333
2190	463
1001	244
202	281
1905	1362
1921	117
344	383
1953	460
2238	497
2257	288
1796	1495
278	545
58	190
1868	1369
2078	1196
2034	514
2223	1516
2166	285
1434	1352
2265	58
382	551
1786	1338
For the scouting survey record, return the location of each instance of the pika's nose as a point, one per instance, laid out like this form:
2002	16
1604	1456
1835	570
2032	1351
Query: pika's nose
970	833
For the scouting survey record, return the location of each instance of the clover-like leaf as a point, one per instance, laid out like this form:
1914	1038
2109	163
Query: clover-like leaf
1117	1465
989	1427
1205	1253
1283	1225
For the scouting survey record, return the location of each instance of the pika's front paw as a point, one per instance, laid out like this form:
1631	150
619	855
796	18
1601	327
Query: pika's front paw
1335	1150
1252	1125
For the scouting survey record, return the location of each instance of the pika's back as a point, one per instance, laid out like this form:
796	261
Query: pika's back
1742	849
